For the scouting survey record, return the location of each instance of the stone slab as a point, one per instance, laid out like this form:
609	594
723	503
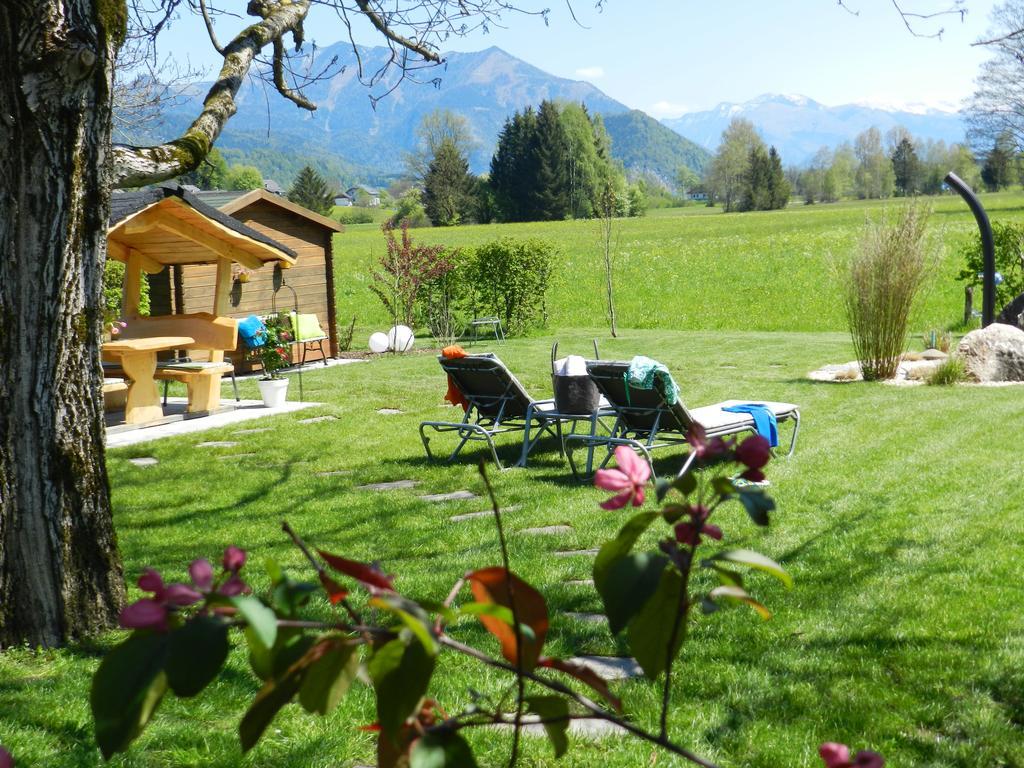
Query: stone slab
143	461
580	582
388	411
590	728
481	513
217	444
612	667
574	552
453	496
590	618
547	529
316	419
391	485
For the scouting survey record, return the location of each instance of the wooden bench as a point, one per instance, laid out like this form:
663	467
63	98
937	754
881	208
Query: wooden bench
213	336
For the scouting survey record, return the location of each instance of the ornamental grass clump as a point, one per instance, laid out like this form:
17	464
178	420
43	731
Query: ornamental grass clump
950	371
883	279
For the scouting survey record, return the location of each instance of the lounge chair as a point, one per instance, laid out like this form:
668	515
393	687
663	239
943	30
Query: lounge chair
498	403
645	421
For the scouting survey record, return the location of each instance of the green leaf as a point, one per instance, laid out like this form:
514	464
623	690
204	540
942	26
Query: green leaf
651	629
273	569
274	695
723	486
738	594
126	690
400	673
291	646
554	711
661	488
673	512
621	545
197	653
442	749
756	560
686	484
261	658
328	679
630	582
728	577
288	595
261	620
412	615
758	504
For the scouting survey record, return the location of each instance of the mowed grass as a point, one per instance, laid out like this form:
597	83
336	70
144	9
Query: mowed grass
698	269
901	518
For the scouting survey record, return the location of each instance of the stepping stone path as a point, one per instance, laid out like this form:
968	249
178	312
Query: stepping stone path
145	461
392	485
227	456
574	552
388	411
590	618
453	496
546	529
217	444
254	431
594	728
335	473
612	667
317	419
580	582
482	513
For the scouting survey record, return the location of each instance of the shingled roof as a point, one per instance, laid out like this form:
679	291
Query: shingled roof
124	205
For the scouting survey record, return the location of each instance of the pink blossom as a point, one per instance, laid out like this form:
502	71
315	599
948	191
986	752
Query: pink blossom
838	756
629	479
181	595
6	761
233	586
234	559
151	581
144	614
152	612
690	532
753	475
754	452
201	573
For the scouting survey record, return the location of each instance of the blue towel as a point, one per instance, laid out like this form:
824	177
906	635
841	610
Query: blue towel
764	420
253	332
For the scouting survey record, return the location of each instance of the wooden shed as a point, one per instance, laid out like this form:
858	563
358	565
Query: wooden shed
268	289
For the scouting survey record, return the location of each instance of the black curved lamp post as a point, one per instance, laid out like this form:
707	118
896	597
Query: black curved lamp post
988	306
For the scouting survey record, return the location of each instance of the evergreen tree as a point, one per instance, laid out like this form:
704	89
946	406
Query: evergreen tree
756	190
906	168
996	172
778	185
512	166
727	174
447	186
549	200
310	190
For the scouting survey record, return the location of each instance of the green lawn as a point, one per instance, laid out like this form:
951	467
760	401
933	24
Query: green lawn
697	269
900	518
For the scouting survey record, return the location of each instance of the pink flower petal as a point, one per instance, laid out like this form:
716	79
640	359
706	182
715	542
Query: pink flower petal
232	587
144	614
611	480
636	469
638	496
713	531
619	501
234	558
201	573
181	594
755	452
6	761
151	581
867	759
835	755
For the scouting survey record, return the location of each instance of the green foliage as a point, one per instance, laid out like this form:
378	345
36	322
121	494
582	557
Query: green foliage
113	291
996	173
764	183
212	172
729	170
874	177
447	186
1008	238
950	371
642	144
403	271
273	353
311	191
511	279
244	178
353	215
906	168
883	279
446	303
409	211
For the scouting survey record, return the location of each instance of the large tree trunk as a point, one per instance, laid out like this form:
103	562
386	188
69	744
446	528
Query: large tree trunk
60	574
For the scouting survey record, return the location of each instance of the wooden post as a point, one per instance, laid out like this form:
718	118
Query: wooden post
968	304
221	301
132	284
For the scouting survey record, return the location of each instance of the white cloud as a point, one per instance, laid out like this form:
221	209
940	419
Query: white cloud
590	72
667	109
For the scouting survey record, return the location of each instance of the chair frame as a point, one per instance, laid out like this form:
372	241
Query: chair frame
651	423
507	409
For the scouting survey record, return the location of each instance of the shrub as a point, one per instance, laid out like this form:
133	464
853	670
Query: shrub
883	278
113	291
1009	252
446	303
510	279
950	371
355	216
409	211
405	268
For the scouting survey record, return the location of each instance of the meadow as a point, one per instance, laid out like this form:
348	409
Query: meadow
900	519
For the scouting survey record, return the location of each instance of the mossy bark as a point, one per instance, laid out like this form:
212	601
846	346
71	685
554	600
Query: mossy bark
60	572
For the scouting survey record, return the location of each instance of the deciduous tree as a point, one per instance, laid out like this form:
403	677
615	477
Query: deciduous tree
732	162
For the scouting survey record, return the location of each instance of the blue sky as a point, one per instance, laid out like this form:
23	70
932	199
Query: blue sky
667	57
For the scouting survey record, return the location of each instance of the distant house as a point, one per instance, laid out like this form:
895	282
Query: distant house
343	200
363	195
273	187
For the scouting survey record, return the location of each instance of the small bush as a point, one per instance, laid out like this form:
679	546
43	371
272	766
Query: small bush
445	304
1009	252
113	290
883	278
940	340
404	270
409	211
355	216
950	371
510	279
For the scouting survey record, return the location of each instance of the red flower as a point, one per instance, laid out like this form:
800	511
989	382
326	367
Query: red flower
201	573
6	761
690	533
838	756
754	452
152	612
629	479
234	559
144	614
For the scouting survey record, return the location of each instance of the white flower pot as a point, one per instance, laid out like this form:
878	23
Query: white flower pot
274	391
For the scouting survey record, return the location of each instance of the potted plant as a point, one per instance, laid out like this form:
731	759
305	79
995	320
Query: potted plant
273	355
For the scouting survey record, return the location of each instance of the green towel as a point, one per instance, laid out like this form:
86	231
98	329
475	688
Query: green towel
643	372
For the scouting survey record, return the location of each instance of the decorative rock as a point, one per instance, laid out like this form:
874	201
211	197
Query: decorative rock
837	372
589	618
388	411
145	461
995	353
574	552
612	667
217	444
545	529
933	354
317	419
453	496
392	485
481	513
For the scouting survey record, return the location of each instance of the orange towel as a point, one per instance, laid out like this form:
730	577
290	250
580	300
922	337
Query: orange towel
454	394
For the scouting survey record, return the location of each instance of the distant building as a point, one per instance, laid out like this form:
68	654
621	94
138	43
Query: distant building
273	187
363	195
343	200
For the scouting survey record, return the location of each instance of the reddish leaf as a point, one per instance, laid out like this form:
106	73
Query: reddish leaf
335	592
586	675
490	585
369	575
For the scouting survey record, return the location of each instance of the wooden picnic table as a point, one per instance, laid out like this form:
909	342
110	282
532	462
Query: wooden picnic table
138	359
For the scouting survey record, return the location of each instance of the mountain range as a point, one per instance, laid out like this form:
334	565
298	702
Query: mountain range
798	126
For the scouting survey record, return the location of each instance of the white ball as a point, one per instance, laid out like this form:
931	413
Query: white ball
400	338
379	342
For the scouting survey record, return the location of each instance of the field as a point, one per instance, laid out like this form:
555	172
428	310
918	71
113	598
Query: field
699	269
900	519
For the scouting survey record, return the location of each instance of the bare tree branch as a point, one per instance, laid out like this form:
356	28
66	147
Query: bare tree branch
382	26
281	85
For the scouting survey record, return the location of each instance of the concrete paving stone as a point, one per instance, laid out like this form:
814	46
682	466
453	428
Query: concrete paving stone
547	529
144	461
574	552
453	496
590	618
580	582
391	485
217	444
481	513
592	728
317	419
612	667
388	411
